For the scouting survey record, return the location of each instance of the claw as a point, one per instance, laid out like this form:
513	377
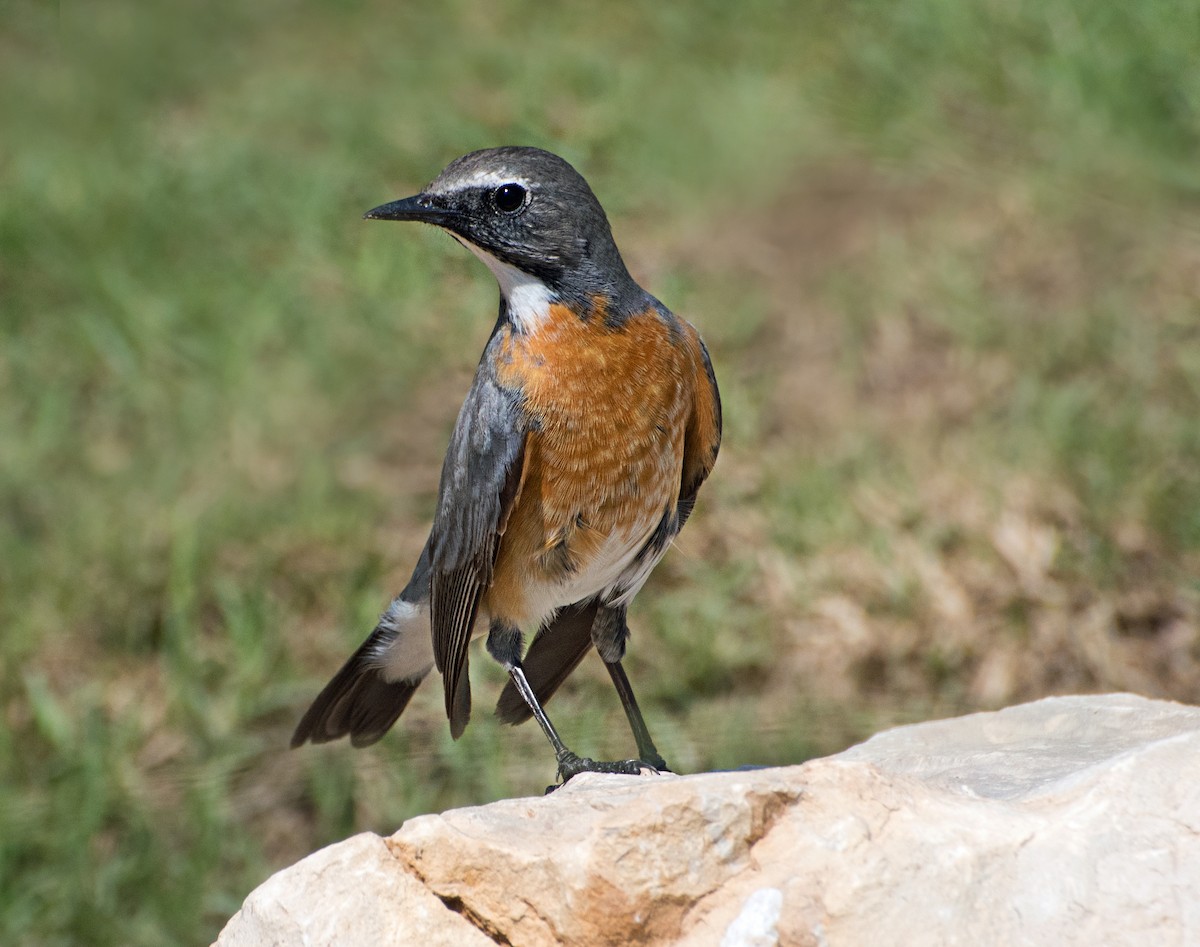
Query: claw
656	763
571	764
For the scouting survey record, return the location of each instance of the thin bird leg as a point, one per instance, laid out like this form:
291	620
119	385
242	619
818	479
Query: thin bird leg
610	631
569	763
646	749
504	644
517	673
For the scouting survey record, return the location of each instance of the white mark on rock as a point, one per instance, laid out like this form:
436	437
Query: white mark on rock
755	924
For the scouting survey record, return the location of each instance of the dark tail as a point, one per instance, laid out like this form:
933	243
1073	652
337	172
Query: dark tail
358	702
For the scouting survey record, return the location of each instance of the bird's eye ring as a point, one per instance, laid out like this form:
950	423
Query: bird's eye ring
509	198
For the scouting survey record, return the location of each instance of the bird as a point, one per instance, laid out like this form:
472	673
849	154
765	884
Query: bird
592	421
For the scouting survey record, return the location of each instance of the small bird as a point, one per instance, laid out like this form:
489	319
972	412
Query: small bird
591	423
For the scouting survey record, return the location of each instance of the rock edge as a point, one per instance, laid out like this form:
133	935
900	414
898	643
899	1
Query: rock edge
1070	820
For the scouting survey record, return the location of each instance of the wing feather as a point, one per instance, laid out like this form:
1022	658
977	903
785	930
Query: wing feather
702	437
481	480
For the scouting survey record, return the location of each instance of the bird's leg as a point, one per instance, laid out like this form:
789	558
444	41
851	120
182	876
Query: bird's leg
647	751
504	644
609	633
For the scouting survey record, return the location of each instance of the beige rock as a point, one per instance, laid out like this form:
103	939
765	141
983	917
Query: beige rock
1068	821
353	892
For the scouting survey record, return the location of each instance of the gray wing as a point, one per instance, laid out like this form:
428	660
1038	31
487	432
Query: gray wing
481	478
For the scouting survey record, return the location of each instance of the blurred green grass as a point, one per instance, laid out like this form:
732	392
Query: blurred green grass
946	256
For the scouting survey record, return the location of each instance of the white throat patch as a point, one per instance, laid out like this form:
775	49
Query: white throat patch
527	297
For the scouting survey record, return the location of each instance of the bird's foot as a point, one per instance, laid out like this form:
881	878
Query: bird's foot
571	764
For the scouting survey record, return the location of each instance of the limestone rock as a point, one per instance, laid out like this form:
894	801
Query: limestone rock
353	892
1072	820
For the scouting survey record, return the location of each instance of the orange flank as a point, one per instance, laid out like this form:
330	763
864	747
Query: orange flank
612	409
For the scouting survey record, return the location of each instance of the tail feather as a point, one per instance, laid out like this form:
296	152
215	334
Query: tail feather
554	654
358	702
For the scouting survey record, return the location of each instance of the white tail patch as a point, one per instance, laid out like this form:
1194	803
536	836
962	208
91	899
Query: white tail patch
408	655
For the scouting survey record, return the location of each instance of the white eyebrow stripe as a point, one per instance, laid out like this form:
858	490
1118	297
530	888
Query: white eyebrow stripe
488	177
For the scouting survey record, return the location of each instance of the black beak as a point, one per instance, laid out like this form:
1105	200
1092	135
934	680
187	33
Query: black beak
420	207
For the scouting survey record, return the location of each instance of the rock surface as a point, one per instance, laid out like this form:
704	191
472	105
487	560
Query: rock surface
1072	820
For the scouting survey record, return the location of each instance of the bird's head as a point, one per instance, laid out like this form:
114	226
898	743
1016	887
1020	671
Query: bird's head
531	218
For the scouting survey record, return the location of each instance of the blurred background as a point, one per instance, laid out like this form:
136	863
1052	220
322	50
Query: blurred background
946	255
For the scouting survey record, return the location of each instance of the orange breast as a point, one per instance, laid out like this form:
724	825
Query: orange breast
610	406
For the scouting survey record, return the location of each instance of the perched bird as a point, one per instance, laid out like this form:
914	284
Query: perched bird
592	421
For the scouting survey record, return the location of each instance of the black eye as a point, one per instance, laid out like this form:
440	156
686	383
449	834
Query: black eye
509	197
